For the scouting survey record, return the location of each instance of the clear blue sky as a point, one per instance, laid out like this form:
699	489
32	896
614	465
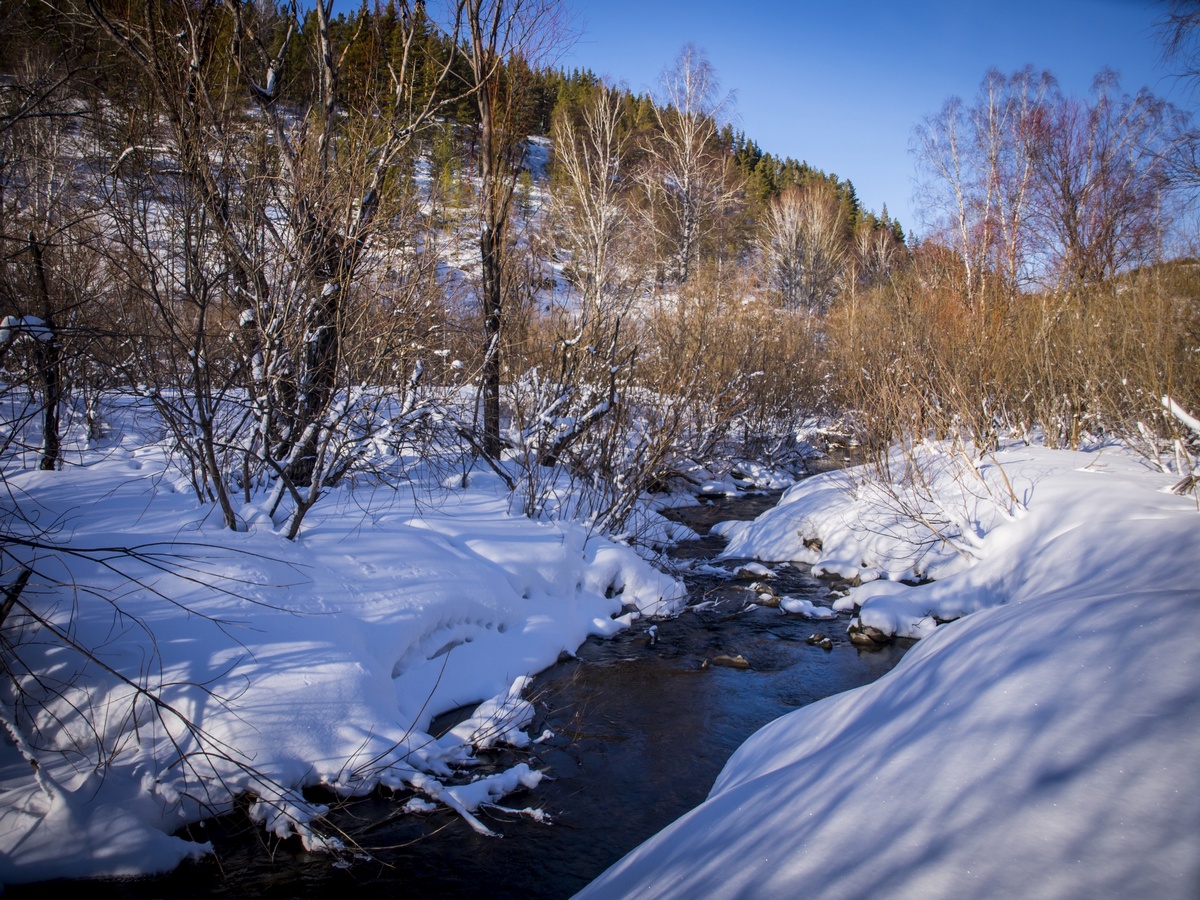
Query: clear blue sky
841	85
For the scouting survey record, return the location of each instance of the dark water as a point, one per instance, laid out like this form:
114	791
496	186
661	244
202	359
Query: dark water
641	729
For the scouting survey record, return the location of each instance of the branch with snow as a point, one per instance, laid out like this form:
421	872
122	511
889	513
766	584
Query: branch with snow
1187	420
14	328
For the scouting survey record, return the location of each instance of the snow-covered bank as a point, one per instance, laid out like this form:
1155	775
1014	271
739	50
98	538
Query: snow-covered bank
1044	746
315	662
1027	520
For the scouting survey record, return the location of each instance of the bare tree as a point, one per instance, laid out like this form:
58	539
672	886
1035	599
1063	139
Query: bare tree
874	256
503	37
1177	31
590	208
595	347
48	194
285	203
1006	129
1029	185
979	166
687	180
1100	181
804	245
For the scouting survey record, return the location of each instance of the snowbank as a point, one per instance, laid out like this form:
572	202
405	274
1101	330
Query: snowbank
1026	519
1044	746
315	662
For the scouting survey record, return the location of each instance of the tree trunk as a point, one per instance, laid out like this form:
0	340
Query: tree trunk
48	355
491	255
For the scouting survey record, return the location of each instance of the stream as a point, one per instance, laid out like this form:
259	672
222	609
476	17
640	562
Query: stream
642	725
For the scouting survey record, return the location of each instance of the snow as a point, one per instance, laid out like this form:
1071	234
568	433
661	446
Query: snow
24	326
496	721
1043	745
1191	422
753	570
1038	741
806	608
990	513
319	661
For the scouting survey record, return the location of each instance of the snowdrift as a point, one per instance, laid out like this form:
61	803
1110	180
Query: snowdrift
1043	746
320	661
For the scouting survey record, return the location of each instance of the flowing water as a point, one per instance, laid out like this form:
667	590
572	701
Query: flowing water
642	724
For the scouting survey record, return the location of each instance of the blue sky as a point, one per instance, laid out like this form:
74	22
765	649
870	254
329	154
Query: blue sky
842	85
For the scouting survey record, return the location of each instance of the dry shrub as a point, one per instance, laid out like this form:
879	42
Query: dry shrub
748	372
622	400
915	360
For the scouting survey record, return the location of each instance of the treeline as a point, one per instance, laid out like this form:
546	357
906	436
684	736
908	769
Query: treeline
371	35
316	247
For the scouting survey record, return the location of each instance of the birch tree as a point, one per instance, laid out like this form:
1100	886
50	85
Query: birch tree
1101	176
804	246
978	164
589	367
1031	187
687	180
591	208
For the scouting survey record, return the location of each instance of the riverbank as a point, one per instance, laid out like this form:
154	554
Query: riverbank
1041	745
210	668
632	729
